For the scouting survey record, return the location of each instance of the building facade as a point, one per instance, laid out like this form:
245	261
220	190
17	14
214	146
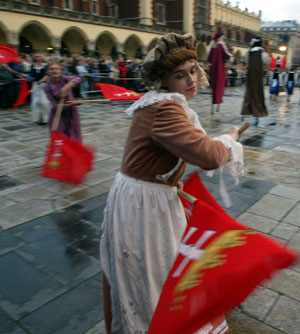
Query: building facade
110	28
288	34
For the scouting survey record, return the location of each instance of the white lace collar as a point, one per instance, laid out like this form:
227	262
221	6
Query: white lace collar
155	96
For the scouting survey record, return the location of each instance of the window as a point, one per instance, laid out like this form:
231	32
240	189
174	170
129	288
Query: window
114	10
160	14
35	2
94	5
201	11
68	4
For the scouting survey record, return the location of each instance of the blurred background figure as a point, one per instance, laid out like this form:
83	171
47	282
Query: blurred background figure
82	71
275	84
218	54
290	83
254	100
40	106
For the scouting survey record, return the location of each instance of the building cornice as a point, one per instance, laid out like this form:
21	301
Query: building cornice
83	17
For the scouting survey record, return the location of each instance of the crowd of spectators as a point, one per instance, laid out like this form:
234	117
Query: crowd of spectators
125	73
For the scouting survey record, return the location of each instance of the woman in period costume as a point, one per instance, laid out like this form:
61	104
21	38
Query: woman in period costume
59	86
254	100
144	219
218	54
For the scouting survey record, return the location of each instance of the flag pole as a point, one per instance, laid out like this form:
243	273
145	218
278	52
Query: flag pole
87	101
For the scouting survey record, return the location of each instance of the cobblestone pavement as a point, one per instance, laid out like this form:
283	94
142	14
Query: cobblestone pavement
50	278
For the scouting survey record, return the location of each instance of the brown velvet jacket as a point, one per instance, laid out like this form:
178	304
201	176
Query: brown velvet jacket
160	134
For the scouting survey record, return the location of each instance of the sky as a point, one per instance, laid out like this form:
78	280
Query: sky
272	10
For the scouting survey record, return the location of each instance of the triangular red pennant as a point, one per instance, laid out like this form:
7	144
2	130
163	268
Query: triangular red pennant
117	93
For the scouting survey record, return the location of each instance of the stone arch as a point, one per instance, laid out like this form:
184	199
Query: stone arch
106	45
73	41
34	37
3	34
237	56
152	44
133	47
202	53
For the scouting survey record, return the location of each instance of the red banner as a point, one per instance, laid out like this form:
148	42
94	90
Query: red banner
273	63
219	263
67	160
8	54
24	92
117	93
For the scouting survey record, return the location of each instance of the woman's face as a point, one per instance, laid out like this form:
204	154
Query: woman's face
54	71
183	79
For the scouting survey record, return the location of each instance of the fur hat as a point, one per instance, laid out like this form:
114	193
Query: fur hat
169	51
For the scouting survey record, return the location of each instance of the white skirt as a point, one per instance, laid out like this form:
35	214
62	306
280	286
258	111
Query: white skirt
142	227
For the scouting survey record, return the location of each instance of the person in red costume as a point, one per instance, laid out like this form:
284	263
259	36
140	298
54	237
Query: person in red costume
123	71
218	54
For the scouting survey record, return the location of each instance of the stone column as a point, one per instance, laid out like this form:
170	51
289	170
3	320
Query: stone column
119	49
188	16
91	46
145	12
56	45
12	38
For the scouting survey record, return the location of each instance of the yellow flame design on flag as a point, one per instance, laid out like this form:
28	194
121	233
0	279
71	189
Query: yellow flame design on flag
54	164
211	258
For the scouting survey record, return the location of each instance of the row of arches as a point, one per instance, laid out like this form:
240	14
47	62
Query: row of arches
36	37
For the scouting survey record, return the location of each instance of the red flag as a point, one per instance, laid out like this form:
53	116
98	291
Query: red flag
219	263
283	64
8	54
67	160
24	92
117	93
273	63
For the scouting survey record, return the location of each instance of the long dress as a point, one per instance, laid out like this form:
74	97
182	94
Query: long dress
217	56
69	124
144	219
254	100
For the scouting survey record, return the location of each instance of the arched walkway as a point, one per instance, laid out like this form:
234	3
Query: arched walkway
73	42
132	47
105	45
34	37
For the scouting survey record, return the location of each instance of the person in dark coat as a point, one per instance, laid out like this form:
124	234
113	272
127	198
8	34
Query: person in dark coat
254	100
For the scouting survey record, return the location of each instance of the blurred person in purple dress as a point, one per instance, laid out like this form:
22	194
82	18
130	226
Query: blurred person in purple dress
57	87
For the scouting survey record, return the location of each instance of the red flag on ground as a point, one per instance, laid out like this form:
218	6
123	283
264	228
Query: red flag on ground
8	54
117	93
67	160
219	263
24	92
283	63
273	63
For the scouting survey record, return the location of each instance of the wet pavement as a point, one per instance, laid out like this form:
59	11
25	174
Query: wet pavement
50	278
